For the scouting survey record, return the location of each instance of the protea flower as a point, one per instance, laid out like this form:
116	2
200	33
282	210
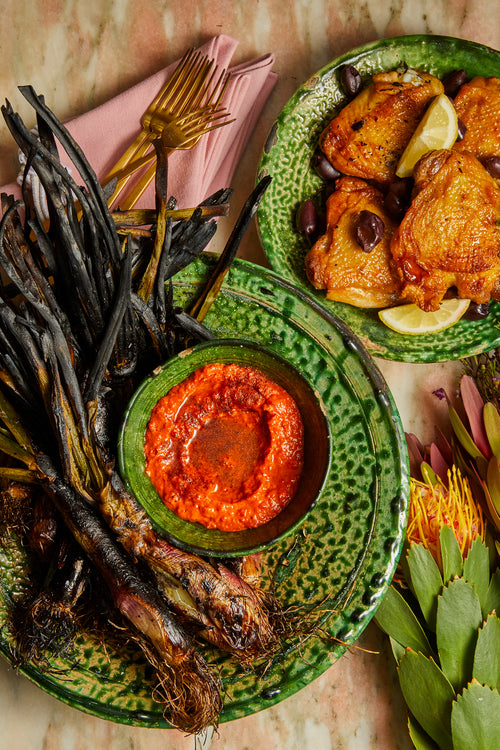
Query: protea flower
474	447
443	626
434	504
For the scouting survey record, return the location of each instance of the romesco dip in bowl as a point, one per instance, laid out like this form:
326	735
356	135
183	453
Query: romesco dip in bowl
226	447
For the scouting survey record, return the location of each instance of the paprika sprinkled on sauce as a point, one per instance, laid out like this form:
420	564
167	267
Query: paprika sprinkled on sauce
225	447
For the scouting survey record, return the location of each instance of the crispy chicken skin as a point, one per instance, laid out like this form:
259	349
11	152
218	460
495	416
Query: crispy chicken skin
450	236
478	106
338	264
368	136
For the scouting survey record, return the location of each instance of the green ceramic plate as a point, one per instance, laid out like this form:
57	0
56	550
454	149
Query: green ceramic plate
348	548
287	158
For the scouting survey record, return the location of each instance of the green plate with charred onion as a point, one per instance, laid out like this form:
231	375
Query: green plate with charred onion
338	564
288	159
96	607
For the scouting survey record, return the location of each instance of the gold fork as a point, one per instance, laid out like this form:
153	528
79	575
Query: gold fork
187	107
173	136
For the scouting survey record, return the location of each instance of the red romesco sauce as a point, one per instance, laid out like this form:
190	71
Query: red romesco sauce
225	447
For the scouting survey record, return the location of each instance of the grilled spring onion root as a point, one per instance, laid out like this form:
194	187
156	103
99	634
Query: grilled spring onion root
184	681
85	315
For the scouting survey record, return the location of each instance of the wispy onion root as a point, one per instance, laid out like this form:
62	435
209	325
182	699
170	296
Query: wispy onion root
142	606
198	696
42	626
15	510
227	611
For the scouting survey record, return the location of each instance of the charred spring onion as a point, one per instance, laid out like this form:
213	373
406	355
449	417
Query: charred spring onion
86	312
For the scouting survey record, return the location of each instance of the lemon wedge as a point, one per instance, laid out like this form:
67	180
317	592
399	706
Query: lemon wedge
410	319
437	129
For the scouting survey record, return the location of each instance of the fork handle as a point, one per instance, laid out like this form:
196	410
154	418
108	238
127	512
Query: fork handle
125	174
137	191
141	141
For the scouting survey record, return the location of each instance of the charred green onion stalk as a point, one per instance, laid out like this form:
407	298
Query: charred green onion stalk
87	311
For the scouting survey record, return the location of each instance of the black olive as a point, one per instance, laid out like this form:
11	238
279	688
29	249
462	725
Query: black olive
461	130
401	187
351	80
320	224
328	189
394	205
324	168
477	311
398	196
307	217
369	230
492	165
453	81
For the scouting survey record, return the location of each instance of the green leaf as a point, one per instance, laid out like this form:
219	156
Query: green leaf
474	719
477	571
489	540
451	554
491	419
493	595
420	739
429	476
493	482
403	563
396	618
486	669
458	619
428	695
466	441
426	581
397	649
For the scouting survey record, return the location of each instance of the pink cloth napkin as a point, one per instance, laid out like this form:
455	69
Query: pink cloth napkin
105	132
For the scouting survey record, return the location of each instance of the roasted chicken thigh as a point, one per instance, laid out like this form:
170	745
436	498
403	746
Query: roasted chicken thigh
478	107
446	240
338	263
368	136
449	237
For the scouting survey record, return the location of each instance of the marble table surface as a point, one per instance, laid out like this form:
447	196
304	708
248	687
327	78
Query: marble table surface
80	54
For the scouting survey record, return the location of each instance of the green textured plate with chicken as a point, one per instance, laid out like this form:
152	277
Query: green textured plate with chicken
343	556
287	157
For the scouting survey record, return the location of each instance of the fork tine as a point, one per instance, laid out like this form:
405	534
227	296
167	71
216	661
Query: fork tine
192	135
217	90
197	130
176	80
189	123
185	63
189	102
193	124
160	122
193	89
191	75
201	87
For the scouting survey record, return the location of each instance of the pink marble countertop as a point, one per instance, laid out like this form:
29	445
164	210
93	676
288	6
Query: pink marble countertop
80	54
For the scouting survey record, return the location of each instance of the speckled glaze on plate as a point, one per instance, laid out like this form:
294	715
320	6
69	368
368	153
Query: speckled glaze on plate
287	158
346	551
